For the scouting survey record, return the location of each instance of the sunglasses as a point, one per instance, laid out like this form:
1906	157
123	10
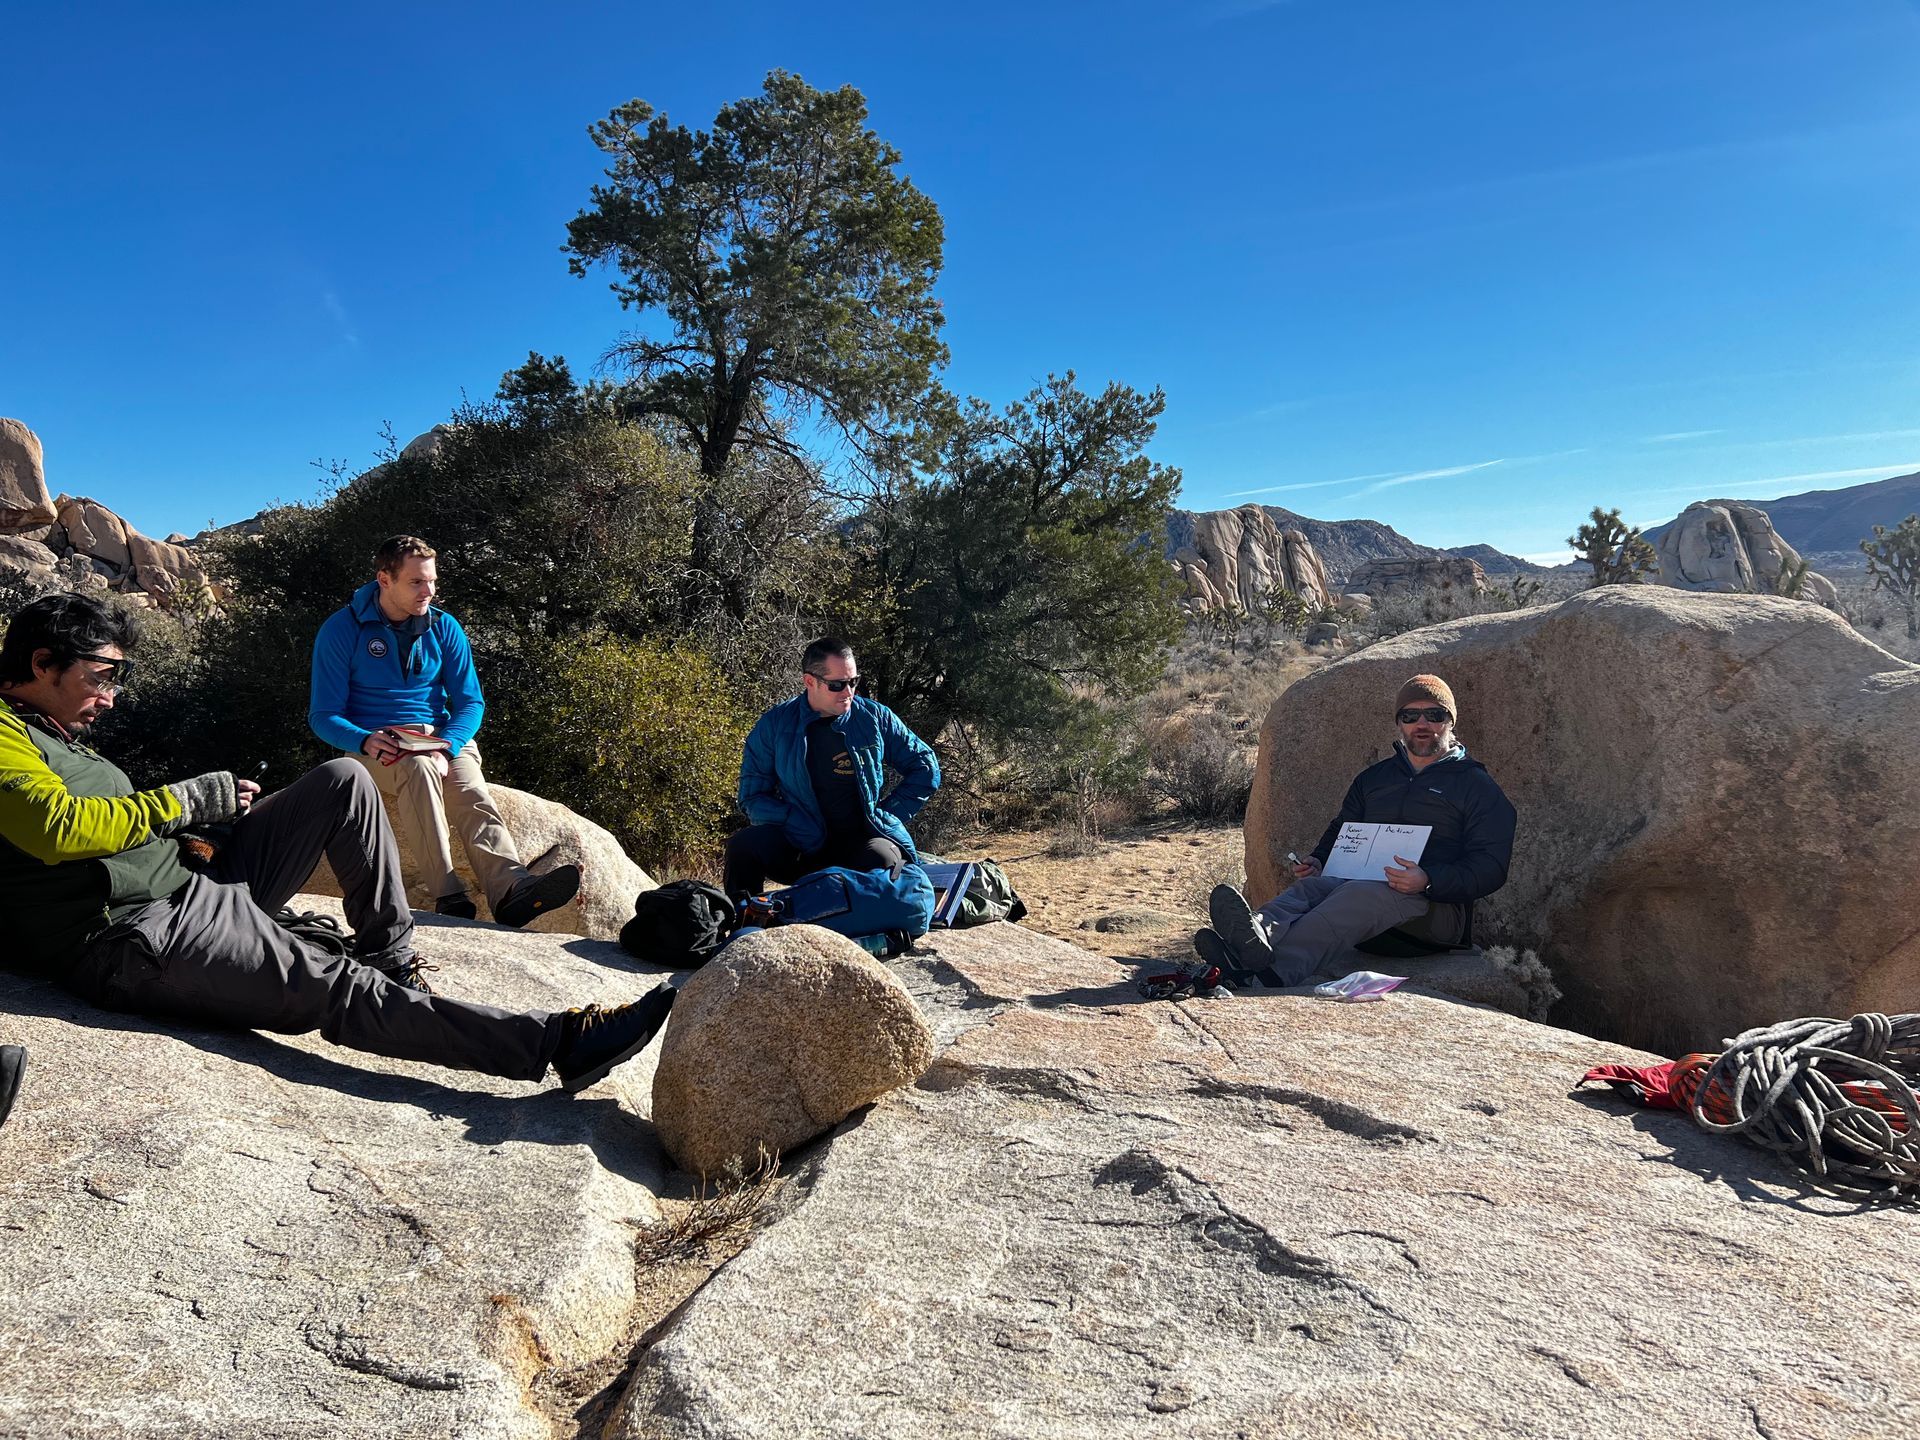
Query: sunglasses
852	682
1433	715
119	673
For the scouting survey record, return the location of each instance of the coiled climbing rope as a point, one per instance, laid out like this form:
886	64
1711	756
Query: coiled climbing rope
1833	1097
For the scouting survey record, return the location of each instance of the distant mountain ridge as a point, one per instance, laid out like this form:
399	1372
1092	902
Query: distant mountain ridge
1345	545
1827	526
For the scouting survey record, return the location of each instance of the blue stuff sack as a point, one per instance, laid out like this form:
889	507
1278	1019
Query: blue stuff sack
858	903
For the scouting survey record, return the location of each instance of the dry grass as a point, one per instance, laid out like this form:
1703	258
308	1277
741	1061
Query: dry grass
721	1216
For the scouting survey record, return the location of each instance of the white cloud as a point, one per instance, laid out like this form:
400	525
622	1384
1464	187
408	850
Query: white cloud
1309	485
1441	474
1673	435
1879	472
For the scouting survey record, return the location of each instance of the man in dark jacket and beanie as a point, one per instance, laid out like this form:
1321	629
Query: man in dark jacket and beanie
1427	899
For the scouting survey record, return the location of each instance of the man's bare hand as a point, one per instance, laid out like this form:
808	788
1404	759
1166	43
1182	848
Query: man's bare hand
1306	868
1406	876
245	792
381	746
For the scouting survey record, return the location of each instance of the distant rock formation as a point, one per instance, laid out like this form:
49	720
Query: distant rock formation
1379	578
1674	757
1234	557
69	542
1829	525
1727	547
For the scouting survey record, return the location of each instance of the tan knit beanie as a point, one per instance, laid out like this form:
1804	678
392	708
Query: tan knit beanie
1427	690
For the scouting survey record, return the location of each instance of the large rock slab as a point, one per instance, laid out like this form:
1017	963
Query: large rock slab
28	563
1728	547
1237	556
549	835
1378	579
1269	1216
1717	805
776	1040
24	502
98	533
219	1233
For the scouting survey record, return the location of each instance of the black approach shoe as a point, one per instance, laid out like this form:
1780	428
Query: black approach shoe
538	894
457	907
1233	922
412	974
593	1040
13	1069
1213	951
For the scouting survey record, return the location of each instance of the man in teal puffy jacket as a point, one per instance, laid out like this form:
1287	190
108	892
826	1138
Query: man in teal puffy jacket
812	776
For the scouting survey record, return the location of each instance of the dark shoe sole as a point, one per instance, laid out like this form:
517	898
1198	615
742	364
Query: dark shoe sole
13	1069
457	908
661	998
1233	921
535	897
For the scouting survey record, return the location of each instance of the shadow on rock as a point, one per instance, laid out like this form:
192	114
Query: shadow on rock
625	1144
1749	1171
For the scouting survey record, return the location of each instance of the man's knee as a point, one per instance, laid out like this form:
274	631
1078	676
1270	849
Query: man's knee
417	772
344	775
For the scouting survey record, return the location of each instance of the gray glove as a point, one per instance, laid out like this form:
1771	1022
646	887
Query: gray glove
210	799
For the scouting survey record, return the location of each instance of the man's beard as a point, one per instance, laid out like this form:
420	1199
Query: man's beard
1436	745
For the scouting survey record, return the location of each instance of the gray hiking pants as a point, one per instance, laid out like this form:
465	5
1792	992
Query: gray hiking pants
210	953
1316	919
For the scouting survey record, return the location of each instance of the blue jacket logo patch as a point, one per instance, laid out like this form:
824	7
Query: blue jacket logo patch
376	648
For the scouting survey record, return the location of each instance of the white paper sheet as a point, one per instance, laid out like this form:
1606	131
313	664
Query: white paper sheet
1363	850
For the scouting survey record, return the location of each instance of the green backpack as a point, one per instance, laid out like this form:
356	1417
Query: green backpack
990	896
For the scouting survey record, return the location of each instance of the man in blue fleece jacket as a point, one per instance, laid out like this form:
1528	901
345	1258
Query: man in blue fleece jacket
390	669
811	778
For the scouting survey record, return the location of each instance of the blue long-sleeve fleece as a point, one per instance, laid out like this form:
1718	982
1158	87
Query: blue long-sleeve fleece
363	679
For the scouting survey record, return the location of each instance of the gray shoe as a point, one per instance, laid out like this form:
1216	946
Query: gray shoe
1233	922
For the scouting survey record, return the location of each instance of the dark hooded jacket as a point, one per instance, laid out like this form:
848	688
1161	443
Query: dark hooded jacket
1471	846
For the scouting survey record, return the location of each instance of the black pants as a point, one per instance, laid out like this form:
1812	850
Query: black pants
761	853
211	953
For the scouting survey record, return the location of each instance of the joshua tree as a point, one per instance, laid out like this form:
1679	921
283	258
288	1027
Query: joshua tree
1893	559
1284	609
1792	580
1617	553
1226	622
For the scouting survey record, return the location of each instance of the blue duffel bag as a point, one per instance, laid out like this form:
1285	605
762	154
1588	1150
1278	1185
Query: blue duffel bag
857	903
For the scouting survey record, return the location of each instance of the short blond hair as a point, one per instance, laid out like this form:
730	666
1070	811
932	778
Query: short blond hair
397	550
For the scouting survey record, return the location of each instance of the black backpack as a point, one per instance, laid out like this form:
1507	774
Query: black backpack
683	924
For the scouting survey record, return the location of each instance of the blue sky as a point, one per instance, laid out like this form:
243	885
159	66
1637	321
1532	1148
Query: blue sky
1467	268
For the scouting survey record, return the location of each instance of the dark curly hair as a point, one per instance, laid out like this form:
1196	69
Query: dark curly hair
68	625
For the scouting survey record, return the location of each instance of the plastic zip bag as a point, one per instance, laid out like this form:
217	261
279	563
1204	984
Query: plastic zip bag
1360	985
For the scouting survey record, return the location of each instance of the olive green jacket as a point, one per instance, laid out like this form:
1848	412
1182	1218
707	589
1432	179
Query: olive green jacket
78	847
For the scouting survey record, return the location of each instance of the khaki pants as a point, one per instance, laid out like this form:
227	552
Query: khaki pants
423	803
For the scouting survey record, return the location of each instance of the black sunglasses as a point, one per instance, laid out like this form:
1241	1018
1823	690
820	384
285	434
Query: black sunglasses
1433	715
119	668
836	686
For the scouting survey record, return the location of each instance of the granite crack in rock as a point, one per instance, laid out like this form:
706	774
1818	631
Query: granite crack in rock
350	1352
1336	1115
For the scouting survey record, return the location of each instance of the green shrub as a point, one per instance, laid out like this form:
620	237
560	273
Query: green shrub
640	737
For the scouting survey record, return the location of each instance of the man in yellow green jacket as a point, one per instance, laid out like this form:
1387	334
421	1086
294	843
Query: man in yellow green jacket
98	894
